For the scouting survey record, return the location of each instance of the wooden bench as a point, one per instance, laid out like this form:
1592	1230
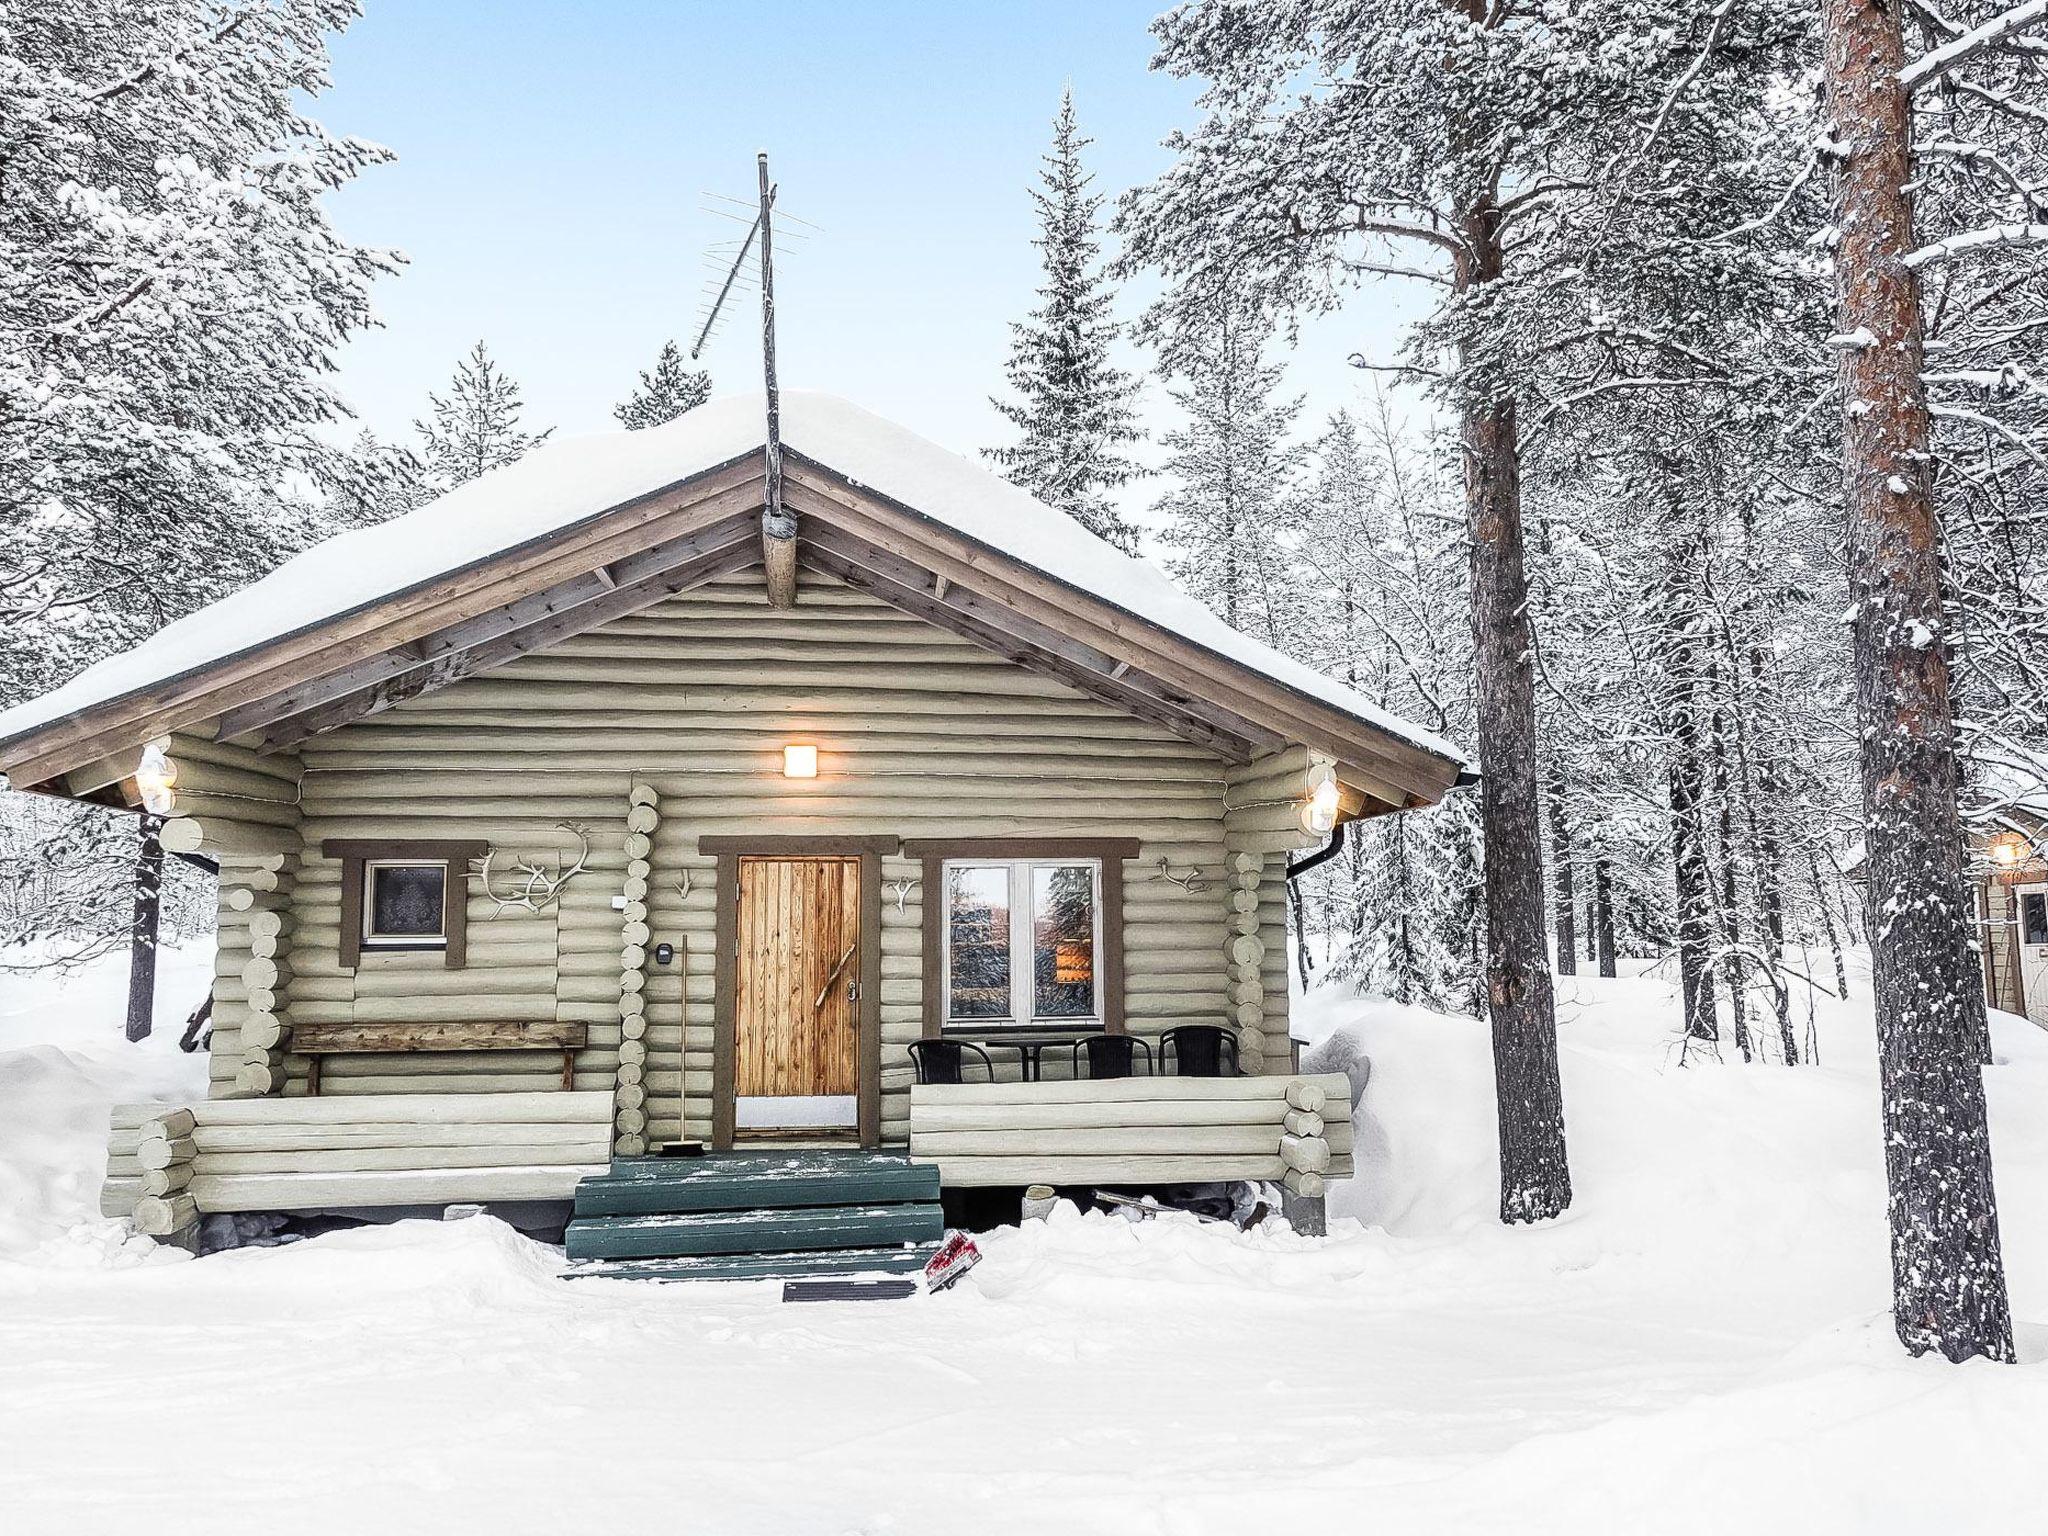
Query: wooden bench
320	1040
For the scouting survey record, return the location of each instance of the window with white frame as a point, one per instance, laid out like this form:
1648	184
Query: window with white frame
405	904
1021	941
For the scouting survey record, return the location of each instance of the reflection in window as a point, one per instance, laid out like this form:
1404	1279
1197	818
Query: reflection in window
978	941
1063	941
2034	918
404	901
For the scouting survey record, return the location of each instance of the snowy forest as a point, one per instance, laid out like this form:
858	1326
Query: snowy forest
1703	504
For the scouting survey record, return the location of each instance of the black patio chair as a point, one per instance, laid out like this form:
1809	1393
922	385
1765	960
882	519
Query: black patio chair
1111	1055
942	1061
1199	1050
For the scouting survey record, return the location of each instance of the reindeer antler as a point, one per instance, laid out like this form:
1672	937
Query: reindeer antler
541	887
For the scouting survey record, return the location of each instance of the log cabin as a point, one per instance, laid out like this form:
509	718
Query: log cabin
581	815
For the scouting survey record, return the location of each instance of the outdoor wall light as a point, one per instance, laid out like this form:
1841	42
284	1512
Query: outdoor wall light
2007	849
155	778
1319	813
800	761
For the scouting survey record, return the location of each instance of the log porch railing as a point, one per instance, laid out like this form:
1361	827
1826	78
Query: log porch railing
1136	1130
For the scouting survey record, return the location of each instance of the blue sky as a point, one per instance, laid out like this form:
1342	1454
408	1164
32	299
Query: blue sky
553	161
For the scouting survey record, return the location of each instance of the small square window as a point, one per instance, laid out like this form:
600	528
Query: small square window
405	905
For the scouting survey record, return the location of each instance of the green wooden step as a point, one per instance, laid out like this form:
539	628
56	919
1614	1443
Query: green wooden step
755	1181
673	1235
762	1266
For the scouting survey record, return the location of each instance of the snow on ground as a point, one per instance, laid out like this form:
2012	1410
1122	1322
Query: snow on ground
1701	1344
64	1061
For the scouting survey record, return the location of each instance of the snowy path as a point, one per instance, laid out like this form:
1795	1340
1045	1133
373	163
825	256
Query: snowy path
1699	1346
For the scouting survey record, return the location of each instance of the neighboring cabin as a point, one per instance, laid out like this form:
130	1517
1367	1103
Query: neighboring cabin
2009	885
536	792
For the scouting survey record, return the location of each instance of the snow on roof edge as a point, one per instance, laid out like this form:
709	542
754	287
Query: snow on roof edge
569	481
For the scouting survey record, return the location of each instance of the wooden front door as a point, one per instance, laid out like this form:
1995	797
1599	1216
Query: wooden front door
796	1028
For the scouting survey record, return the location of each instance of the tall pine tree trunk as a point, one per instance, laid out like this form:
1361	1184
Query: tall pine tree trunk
1827	924
1567	915
1603	916
1731	910
1770	874
142	931
1686	780
1948	1280
1535	1180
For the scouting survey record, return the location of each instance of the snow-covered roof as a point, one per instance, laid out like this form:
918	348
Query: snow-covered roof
568	480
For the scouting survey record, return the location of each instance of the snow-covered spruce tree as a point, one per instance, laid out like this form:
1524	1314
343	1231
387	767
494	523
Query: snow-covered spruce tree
1232	514
1428	139
665	391
1948	1279
1073	406
475	427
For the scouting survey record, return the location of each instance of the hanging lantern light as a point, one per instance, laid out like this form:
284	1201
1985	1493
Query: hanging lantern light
1319	811
156	778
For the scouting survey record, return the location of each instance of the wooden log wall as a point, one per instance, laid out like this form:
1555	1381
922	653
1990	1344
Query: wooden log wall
1262	827
512	974
920	734
242	810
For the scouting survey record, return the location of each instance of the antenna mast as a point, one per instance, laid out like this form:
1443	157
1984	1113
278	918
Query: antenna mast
778	523
778	527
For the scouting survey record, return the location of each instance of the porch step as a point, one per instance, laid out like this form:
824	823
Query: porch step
764	1266
755	1181
676	1234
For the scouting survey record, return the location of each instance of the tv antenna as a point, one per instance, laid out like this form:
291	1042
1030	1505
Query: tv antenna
778	524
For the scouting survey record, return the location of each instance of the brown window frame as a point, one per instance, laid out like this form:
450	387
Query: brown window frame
357	854
1108	852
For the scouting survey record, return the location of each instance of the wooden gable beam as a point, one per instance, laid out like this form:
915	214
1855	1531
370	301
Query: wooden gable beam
1380	755
1018	639
202	694
739	550
458	639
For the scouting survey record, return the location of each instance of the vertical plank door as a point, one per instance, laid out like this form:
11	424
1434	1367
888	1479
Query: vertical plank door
796	1027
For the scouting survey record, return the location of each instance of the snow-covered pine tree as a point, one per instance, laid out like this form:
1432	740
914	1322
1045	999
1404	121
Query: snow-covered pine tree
1333	129
172	297
371	483
1948	1278
1233	512
1386	611
1073	407
475	427
664	392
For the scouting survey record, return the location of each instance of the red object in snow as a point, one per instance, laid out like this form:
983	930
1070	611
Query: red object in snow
955	1257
